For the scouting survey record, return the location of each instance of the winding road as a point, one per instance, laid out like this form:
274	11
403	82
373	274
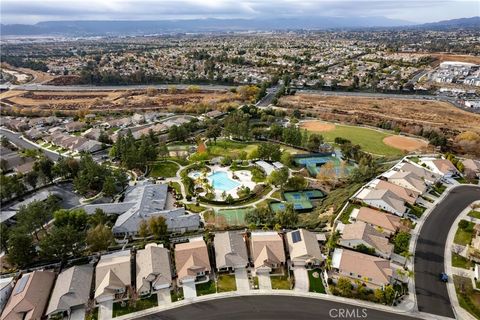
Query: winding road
274	308
16	139
432	294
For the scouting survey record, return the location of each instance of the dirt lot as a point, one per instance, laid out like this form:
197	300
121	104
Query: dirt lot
119	100
409	115
37	76
405	143
456	57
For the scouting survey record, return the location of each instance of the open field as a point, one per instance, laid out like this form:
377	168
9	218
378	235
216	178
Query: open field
407	114
369	139
119	100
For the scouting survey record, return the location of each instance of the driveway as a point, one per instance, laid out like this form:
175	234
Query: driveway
432	294
189	290
105	310
78	314
163	297
264	282
301	279
241	279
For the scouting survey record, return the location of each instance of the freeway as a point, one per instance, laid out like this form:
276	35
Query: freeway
272	307
432	295
16	139
46	87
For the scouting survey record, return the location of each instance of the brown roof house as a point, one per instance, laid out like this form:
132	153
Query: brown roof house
408	195
304	248
443	167
384	200
191	261
386	223
374	272
153	269
267	251
408	180
71	290
112	276
429	177
362	234
230	251
29	297
472	165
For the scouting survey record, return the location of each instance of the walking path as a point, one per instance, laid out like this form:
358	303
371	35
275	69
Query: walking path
460	313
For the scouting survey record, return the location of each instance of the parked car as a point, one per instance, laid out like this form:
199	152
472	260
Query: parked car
443	277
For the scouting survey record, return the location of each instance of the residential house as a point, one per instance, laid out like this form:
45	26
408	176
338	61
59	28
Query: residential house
71	290
144	201
192	261
374	272
74	126
17	125
472	165
429	177
383	199
408	180
6	288
386	223
408	195
29	297
362	234
443	167
153	269
230	251
304	249
113	276
267	251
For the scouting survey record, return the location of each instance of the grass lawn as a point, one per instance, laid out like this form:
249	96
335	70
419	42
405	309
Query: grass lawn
164	169
206	288
369	139
468	298
176	187
277	195
464	236
255	282
475	214
138	305
461	180
281	282
93	315
229	148
347	212
194	208
176	295
460	262
226	283
316	284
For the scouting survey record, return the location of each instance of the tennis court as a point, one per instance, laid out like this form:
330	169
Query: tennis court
233	217
301	200
314	163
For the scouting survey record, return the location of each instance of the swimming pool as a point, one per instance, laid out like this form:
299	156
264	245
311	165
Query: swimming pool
221	181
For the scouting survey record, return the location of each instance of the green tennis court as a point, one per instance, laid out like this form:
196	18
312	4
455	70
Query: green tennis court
233	217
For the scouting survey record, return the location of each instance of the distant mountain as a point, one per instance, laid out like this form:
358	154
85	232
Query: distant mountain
91	28
463	23
129	28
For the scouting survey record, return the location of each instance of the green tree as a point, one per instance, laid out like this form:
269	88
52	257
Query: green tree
98	217
279	177
401	242
287	218
99	238
286	158
44	167
389	294
143	229
109	189
158	227
213	131
314	142
21	250
62	243
345	286
31	178
269	151
76	218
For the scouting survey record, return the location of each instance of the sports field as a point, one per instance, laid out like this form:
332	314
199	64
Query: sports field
232	217
369	139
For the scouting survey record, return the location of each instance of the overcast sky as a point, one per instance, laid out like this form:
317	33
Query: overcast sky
32	11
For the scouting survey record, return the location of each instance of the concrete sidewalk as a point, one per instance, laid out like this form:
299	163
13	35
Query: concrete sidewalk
460	313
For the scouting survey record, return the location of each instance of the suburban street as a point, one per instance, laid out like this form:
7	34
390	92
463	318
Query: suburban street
272	307
16	139
432	295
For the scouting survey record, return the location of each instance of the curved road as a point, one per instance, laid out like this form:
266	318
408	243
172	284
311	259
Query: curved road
272	307
432	295
16	139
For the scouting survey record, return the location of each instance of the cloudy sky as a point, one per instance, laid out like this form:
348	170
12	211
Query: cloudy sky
32	11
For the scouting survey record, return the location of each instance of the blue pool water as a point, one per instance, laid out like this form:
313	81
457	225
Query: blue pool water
221	181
